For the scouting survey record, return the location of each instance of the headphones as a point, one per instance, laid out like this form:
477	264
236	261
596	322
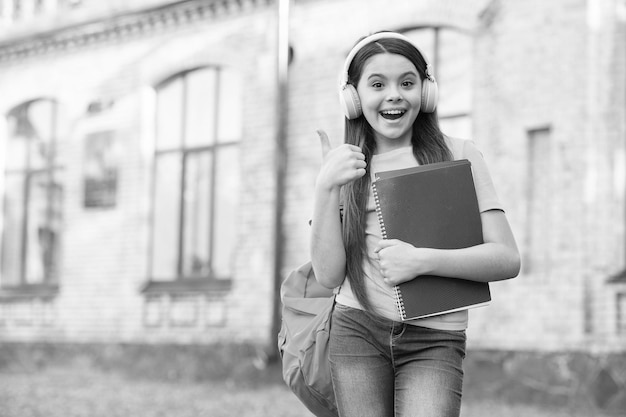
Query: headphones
348	96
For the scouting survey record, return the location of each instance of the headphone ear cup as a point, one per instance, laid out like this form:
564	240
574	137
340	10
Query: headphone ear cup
350	102
430	96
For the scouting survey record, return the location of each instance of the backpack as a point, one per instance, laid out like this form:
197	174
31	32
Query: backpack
303	340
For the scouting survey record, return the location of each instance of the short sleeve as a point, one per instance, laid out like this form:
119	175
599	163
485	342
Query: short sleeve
485	190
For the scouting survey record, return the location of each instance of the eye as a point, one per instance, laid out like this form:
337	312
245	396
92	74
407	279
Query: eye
377	84
408	83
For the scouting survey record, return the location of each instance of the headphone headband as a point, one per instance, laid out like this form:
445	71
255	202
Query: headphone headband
373	38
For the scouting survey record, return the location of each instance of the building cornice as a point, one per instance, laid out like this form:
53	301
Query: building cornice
123	26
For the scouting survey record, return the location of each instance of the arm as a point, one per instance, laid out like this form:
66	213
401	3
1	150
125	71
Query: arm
496	259
328	254
340	166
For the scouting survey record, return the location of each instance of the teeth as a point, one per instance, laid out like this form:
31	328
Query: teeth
393	112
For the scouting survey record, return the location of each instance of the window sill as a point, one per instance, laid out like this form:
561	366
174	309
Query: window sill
211	286
619	278
45	291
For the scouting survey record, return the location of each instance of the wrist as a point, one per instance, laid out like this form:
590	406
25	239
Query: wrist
326	198
428	261
325	187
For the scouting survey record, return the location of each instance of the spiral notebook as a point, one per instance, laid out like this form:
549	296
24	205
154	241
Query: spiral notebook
432	206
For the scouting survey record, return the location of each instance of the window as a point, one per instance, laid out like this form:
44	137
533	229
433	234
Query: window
621	312
38	5
196	176
538	202
100	170
449	51
32	198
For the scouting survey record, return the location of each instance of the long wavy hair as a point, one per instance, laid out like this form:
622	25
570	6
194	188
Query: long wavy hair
428	146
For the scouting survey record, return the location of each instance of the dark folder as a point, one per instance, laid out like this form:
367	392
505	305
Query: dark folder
432	206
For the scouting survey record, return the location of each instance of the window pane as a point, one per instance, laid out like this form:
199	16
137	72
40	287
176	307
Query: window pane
166	217
32	221
16	153
200	109
12	236
196	261
454	73
458	127
425	41
17	143
54	233
40	115
539	201
169	115
42	233
19	124
100	161
230	123
226	210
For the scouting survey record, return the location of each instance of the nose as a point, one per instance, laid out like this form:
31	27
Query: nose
394	95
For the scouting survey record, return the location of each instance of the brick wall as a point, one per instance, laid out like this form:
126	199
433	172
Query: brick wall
548	115
528	80
555	69
549	101
105	251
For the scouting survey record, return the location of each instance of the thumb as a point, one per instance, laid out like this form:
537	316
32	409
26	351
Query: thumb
324	141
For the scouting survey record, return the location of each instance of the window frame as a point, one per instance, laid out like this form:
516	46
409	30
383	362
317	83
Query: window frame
536	260
435	60
181	282
50	280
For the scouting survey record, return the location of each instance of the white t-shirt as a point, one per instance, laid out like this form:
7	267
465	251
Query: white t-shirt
382	295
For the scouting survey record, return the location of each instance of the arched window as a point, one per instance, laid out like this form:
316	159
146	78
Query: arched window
196	178
450	52
32	197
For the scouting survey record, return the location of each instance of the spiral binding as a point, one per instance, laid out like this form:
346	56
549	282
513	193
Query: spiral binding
379	213
399	302
383	231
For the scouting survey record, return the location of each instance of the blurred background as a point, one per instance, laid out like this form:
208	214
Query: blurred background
157	162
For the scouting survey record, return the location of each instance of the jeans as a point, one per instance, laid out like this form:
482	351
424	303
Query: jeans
384	368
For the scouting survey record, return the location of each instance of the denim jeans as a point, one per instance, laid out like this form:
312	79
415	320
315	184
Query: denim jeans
384	368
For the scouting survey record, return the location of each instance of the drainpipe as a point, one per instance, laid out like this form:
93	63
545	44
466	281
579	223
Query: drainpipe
621	30
280	159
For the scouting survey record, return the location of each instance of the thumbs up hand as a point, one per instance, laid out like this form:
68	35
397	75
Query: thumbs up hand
340	165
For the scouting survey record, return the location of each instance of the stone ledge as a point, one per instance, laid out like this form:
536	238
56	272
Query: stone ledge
575	380
217	362
125	26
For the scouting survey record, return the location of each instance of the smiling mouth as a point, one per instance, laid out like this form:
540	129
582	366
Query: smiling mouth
392	114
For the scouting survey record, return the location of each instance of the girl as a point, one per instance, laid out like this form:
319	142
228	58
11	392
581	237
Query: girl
380	365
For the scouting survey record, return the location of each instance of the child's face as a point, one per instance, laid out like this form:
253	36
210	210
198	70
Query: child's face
390	92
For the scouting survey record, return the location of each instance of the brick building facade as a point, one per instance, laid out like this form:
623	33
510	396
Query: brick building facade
129	126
